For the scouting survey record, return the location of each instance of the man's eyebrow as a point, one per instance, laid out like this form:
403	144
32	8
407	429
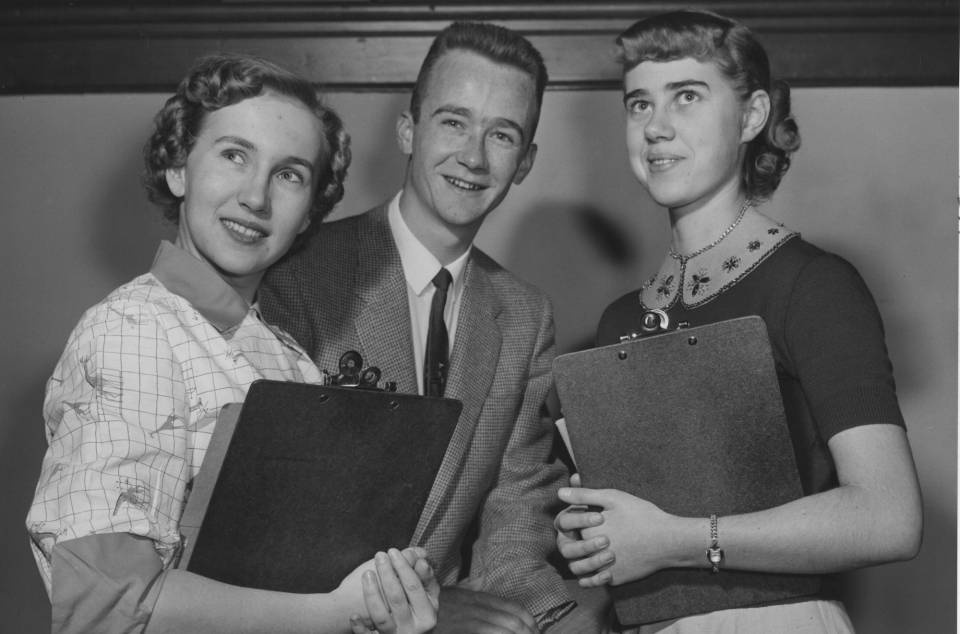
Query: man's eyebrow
637	92
465	112
244	143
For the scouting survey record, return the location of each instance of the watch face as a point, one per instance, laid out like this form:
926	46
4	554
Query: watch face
715	555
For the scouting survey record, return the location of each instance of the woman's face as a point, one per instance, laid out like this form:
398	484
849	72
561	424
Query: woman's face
685	129
248	186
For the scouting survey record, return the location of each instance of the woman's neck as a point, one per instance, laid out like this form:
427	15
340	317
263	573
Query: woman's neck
697	227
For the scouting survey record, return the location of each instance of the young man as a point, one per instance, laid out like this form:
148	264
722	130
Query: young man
367	283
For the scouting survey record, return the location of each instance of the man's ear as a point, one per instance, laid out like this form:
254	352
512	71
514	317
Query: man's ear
756	111
526	164
405	125
175	181
304	224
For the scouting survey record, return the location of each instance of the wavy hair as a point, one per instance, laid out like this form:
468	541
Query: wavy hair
708	37
218	81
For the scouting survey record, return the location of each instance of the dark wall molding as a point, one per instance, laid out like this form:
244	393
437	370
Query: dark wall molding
57	46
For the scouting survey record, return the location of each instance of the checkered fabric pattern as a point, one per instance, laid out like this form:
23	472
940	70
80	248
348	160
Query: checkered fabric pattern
130	408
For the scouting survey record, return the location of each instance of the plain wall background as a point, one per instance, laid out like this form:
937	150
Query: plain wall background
875	181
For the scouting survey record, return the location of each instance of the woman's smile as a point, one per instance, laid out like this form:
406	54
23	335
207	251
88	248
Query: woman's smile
244	232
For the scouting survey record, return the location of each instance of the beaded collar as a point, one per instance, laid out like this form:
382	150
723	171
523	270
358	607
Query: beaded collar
697	278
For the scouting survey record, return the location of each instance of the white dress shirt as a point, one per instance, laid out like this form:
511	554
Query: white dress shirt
419	268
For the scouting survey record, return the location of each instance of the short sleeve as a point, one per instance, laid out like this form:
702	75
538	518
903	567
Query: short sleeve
834	334
115	413
104	583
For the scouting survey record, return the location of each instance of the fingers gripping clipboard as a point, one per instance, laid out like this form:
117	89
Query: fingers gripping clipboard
309	481
691	420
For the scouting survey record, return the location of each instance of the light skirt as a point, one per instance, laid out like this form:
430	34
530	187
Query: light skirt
805	617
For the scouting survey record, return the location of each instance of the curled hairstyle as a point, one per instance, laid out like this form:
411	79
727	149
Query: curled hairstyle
496	43
707	37
219	81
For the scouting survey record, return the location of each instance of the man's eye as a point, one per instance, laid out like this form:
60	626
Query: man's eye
688	96
452	123
638	106
505	137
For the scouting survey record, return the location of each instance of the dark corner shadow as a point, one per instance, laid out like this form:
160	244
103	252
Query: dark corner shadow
23	601
581	256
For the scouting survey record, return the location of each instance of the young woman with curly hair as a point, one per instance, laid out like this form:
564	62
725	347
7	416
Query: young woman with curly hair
710	136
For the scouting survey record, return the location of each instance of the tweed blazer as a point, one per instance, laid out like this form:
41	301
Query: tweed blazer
346	290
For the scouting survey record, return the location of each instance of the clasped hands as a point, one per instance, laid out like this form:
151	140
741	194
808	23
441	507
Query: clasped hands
401	596
400	593
610	537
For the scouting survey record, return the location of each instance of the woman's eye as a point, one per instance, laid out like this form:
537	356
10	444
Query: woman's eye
292	177
688	96
638	106
234	156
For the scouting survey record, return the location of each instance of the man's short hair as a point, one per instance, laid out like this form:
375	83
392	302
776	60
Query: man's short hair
496	43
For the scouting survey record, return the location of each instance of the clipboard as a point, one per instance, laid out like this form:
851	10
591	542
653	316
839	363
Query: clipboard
305	482
693	421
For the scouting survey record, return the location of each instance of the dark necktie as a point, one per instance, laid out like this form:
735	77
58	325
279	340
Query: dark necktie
435	361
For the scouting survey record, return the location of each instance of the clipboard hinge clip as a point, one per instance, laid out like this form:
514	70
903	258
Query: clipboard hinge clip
353	374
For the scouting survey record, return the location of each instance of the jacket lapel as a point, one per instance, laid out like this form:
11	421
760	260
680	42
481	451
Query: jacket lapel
383	319
473	365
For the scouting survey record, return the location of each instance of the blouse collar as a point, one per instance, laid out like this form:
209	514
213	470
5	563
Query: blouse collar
198	283
702	276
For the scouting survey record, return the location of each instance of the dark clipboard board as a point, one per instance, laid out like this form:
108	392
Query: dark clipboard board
693	421
305	482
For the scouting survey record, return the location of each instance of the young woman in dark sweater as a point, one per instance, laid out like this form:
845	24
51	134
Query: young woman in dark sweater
710	136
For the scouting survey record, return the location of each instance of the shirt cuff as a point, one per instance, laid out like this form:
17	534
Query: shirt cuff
104	583
554	614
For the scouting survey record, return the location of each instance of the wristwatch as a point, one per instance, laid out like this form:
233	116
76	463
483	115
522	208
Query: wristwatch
714	552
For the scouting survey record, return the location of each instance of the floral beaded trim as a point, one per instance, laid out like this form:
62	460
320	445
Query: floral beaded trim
696	279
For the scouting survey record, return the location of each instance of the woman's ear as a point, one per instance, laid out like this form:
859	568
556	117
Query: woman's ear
175	182
756	111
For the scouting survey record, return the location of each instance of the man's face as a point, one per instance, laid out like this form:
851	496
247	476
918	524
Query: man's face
471	143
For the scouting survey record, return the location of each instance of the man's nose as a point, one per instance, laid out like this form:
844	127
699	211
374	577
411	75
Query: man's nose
473	153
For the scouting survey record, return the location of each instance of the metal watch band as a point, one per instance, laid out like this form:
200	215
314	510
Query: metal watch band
714	552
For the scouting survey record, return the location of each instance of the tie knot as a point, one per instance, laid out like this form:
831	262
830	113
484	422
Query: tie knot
442	280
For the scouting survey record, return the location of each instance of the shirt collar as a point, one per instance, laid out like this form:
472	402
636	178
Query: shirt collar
695	280
198	283
419	265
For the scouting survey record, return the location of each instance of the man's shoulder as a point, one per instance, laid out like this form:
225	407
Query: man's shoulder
333	241
346	229
354	222
519	292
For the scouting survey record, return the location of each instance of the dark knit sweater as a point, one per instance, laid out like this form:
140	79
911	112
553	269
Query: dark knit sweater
827	340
